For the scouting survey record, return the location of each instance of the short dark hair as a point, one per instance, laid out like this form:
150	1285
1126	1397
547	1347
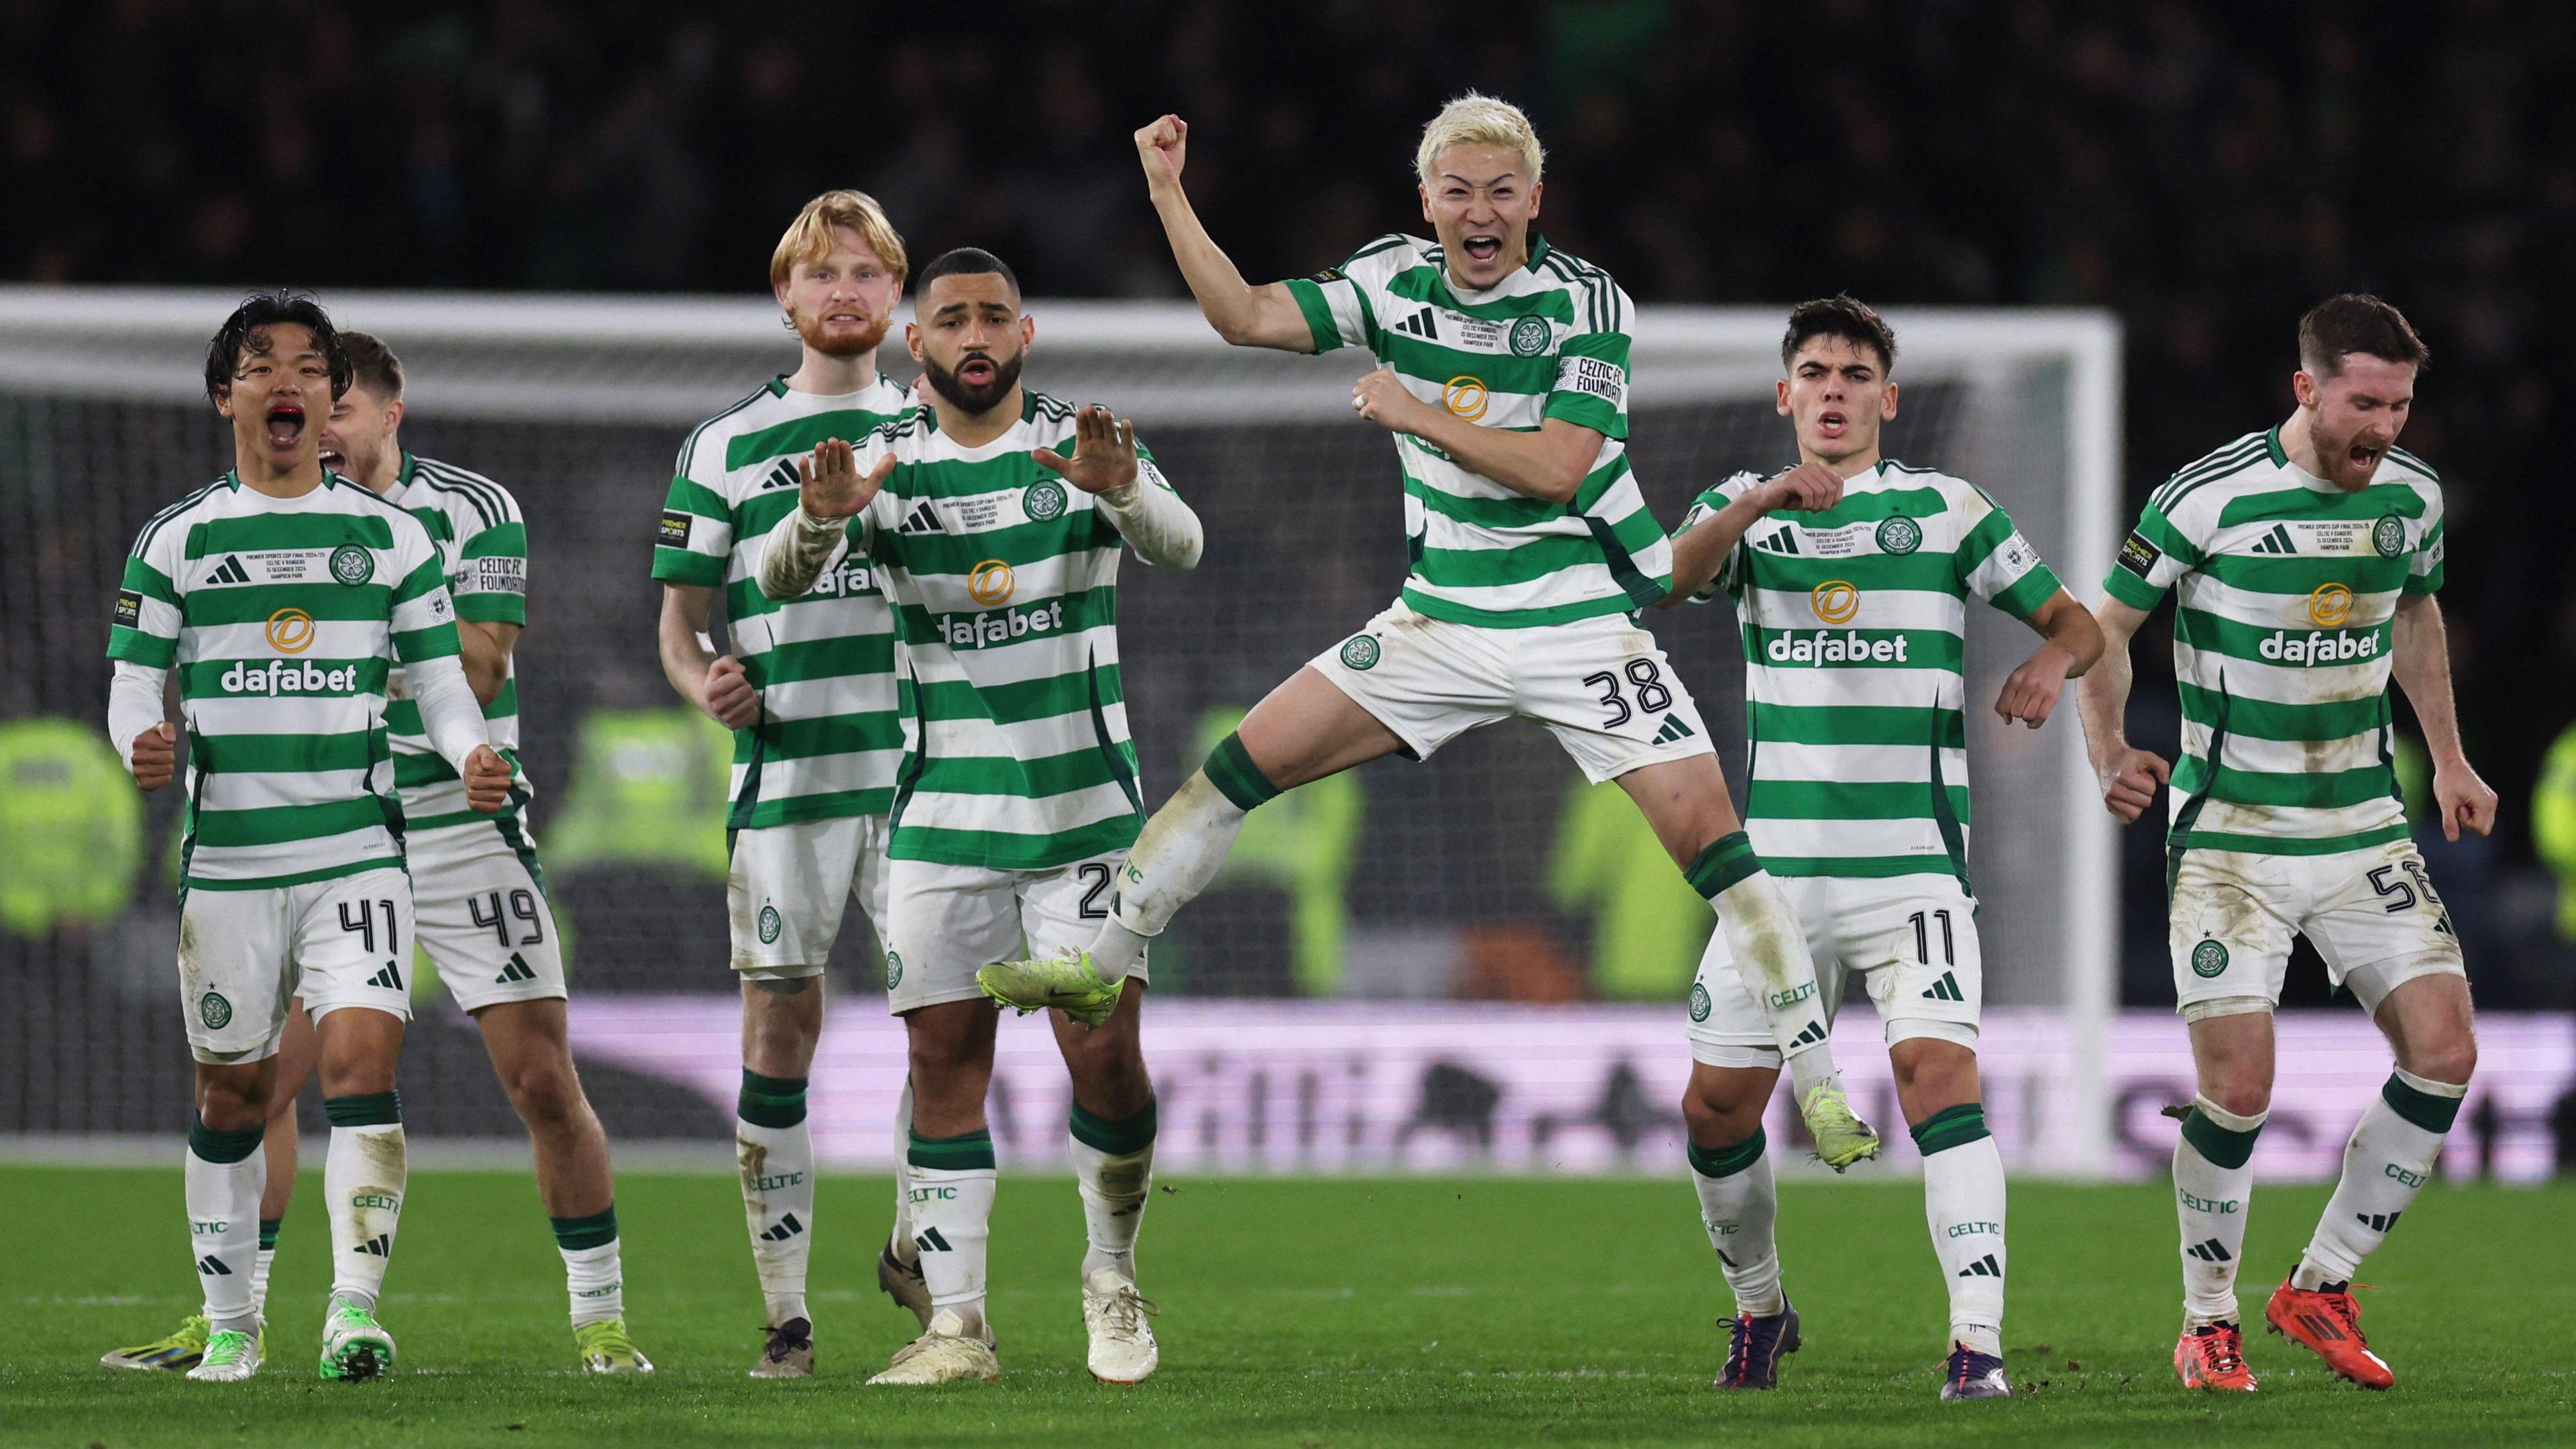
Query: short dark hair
260	311
1843	316
373	366
965	262
2356	322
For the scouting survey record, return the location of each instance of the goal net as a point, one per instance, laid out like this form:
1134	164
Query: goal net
1478	959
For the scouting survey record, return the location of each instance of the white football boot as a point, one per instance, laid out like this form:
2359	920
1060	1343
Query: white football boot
1123	1350
946	1354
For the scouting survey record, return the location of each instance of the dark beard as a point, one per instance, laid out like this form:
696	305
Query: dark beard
974	401
865	342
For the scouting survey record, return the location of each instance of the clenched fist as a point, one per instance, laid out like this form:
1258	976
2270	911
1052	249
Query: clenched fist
156	756
487	780
1161	147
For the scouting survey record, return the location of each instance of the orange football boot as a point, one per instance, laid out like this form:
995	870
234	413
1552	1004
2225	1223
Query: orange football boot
2329	1322
2212	1356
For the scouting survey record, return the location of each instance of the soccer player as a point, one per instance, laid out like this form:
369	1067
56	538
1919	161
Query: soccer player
997	515
282	594
1504	377
809	693
2303	560
477	891
1851	573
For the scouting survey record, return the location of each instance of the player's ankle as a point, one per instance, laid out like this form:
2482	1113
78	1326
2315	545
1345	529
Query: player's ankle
786	1308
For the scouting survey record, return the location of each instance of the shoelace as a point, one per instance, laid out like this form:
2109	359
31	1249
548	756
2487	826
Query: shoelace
2222	1351
1739	1348
1127	1310
2347	1310
779	1345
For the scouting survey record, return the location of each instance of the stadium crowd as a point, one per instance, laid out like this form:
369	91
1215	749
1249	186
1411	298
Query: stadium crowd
2204	170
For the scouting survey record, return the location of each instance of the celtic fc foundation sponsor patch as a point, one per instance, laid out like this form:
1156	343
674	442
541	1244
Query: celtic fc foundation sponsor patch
1699	1002
2209	958
352	565
1899	535
1360	652
1044	500
214	1011
769	925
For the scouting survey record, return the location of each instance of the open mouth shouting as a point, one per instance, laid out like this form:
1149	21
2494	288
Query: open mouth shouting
1482	246
1833	423
977	370
2363	458
285	424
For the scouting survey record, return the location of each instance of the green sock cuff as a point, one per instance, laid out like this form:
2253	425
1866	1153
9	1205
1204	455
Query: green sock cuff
1726	1161
268	1233
2222	1146
771	1101
966	1152
2424	1109
1230	769
210	1145
595	1231
1727	861
1121	1138
371	1109
1952	1127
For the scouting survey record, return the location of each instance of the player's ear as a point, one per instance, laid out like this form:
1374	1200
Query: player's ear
912	339
224	401
1537	190
393	416
1028	330
1887	404
2303	388
1780	397
1425	193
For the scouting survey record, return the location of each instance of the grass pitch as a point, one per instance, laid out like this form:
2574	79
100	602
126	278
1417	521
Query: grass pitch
1301	1314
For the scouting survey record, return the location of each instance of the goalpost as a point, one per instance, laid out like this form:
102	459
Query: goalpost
1457	879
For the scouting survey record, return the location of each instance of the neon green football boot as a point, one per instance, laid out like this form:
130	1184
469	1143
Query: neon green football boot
1841	1137
605	1348
354	1346
1066	983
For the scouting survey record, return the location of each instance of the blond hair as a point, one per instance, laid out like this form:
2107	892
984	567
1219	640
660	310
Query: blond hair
1477	119
809	236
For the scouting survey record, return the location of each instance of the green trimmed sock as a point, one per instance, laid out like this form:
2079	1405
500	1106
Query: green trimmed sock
1113	1169
1738	1205
1963	1200
594	1278
1230	769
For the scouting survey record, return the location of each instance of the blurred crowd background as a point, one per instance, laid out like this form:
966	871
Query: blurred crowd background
2204	170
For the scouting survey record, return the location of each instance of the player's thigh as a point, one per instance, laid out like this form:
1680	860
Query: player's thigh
1062	909
1605	690
236	972
2378	922
785	892
944	923
1425	682
484	918
2228	930
1914	940
353	938
1727	1026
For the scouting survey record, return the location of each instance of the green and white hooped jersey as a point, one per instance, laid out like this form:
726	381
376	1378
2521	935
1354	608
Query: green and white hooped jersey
828	740
1855	629
282	618
1548	341
2285	589
1005	582
477	524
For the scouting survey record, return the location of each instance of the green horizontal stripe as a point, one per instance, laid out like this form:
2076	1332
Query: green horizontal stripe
995	850
1768	799
501	540
455	818
1427	284
425	578
2264	720
1874	506
2294	575
2318	790
2366	506
2131	590
1521	563
438	641
1586	411
494	608
1859	724
820	805
2429	582
2157	529
328	602
244	754
690	496
1923	648
2221	635
2296	845
203	678
150	650
1858	867
845	657
1319	313
1036	779
1485	512
148	581
2028	592
1431	606
402	716
680	566
1502	374
1021	701
1020	545
294	878
416	768
839	734
280	824
277	532
1927	570
1638	533
799	435
961	478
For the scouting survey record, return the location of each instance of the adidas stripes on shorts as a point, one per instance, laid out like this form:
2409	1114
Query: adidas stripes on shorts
243	955
1600	685
1912	939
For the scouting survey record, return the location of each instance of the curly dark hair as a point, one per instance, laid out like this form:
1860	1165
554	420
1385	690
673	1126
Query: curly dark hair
258	312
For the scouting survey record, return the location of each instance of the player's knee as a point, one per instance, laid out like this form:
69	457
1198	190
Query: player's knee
1720	1109
232	1104
547	1093
2450	1056
2240	1090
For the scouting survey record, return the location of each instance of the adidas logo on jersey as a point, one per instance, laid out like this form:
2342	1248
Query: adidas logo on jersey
2278	541
923	519
782	476
1781	541
1675	730
230	571
1420	324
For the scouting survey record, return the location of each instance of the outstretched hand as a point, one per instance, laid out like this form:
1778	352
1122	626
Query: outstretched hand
1104	452
829	482
1161	146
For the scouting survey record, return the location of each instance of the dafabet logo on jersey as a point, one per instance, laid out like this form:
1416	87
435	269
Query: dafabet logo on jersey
2330	607
290	631
1465	396
991	583
1835	601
